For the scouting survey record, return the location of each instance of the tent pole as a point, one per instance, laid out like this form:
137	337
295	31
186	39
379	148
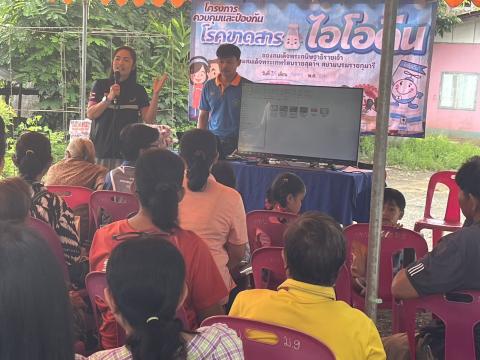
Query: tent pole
83	70
379	157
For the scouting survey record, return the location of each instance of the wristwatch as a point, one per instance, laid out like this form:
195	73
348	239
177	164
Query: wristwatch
105	100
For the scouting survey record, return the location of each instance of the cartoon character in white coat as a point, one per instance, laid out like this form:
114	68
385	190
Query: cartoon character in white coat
404	91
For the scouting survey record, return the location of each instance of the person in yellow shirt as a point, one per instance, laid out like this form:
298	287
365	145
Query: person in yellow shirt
313	254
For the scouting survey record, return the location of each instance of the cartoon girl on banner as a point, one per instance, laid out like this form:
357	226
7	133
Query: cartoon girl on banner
198	76
405	109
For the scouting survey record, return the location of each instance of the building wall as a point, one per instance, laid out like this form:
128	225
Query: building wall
455	52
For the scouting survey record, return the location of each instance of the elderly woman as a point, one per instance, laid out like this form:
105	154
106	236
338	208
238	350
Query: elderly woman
78	168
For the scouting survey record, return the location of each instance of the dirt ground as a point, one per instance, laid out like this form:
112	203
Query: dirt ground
413	185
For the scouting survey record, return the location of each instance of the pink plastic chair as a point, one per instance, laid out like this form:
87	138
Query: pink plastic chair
291	344
74	196
53	241
393	241
269	223
96	282
269	272
459	318
451	220
117	205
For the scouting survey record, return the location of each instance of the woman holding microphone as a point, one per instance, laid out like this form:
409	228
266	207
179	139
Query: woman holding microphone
118	101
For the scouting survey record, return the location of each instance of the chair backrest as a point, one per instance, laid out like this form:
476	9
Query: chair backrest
96	282
269	272
393	241
459	317
53	241
287	344
452	212
269	223
116	204
74	196
268	268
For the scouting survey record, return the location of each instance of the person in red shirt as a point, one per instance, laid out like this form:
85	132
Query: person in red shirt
158	183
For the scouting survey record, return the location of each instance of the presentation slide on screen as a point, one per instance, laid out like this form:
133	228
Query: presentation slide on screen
303	121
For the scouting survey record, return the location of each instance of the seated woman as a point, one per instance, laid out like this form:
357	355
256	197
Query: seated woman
15	200
78	168
146	286
33	157
158	181
213	211
35	311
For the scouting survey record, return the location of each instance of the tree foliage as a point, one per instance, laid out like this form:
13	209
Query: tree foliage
446	19
40	42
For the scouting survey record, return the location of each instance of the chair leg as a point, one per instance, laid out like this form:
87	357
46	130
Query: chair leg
436	236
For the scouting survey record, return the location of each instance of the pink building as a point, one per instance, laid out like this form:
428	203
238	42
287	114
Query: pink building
454	89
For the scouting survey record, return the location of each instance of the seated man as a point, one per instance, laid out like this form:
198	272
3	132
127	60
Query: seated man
314	252
134	140
452	264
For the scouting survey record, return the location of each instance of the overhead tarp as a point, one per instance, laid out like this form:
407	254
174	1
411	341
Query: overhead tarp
322	44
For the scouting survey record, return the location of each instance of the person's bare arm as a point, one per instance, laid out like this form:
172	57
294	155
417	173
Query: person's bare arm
203	119
94	110
149	112
213	310
402	288
236	253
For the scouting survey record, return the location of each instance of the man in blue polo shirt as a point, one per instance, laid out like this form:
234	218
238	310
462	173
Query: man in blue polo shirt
221	98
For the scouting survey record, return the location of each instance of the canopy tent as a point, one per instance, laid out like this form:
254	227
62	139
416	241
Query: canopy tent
389	26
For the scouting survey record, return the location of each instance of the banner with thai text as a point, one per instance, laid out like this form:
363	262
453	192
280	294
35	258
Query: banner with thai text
320	43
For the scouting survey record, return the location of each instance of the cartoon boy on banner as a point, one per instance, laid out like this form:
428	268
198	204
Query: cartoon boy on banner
404	109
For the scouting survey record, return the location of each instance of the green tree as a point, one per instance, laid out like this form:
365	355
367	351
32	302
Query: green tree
40	41
446	19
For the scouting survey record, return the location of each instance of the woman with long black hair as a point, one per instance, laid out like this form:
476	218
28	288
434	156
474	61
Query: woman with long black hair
118	101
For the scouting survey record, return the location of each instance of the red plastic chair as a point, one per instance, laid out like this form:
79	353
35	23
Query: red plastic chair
96	282
393	241
269	272
290	344
269	223
74	196
451	220
53	241
459	318
117	205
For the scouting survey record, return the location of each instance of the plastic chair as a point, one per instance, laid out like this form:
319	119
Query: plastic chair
96	282
53	241
451	220
269	272
287	344
77	199
459	318
116	204
393	241
267	222
74	196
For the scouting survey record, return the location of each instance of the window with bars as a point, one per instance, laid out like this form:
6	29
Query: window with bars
458	91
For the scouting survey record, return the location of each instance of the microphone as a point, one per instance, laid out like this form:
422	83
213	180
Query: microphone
116	78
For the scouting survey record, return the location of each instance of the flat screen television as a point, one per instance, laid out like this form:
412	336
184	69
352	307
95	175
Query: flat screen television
308	123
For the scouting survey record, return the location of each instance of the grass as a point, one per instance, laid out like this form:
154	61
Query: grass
434	153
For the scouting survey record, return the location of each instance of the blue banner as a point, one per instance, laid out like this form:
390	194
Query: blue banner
321	44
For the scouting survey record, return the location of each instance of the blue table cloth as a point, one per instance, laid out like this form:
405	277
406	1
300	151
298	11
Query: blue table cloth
343	195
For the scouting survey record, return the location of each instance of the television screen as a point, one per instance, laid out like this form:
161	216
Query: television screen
303	122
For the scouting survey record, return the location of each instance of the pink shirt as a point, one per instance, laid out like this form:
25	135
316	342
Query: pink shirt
216	215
